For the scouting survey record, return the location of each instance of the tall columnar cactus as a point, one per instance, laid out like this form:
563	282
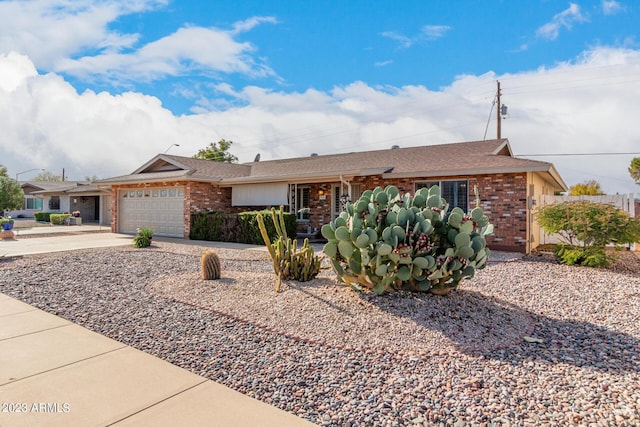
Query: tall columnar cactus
210	265
288	261
384	241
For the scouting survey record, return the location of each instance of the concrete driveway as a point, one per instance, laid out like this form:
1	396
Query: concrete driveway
44	239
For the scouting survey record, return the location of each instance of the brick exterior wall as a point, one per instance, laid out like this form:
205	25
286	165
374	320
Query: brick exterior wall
198	197
503	198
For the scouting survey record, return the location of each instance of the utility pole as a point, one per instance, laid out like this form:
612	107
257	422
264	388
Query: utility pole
498	113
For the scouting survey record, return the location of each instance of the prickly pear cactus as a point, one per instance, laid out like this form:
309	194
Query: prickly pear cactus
384	241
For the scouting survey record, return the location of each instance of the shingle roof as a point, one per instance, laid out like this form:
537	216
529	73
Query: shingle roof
55	187
463	158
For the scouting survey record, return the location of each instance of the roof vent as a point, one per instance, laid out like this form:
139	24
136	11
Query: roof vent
314	154
257	158
395	147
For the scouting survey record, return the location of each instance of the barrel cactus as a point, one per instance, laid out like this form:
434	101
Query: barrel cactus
384	241
210	265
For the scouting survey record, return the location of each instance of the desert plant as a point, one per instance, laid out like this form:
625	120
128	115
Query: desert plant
288	261
210	265
384	241
143	238
587	228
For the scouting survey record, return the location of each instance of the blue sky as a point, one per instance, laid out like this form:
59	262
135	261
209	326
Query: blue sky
84	82
323	44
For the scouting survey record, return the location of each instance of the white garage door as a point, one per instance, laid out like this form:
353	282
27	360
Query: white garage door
157	208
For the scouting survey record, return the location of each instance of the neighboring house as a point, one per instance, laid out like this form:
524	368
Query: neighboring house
35	201
93	203
165	191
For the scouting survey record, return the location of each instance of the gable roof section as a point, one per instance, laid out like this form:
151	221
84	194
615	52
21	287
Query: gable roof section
463	158
165	167
54	187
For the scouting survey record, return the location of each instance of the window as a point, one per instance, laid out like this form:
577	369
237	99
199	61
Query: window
338	200
456	193
303	211
54	203
34	203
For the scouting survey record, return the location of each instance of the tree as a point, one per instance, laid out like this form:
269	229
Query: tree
3	171
11	194
47	176
218	152
93	178
588	188
634	169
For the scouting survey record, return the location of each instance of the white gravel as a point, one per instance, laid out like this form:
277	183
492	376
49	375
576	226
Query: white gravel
335	357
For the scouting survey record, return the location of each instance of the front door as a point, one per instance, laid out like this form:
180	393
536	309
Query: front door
340	195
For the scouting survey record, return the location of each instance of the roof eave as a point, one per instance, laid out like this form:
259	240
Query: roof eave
556	176
188	175
305	177
466	172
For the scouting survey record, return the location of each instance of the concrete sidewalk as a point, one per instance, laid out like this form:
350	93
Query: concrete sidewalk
56	373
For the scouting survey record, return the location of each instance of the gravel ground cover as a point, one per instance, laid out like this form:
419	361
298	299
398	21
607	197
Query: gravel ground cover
335	357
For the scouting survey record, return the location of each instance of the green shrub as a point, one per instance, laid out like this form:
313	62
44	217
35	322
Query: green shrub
587	228
590	256
238	228
386	242
143	238
42	216
59	219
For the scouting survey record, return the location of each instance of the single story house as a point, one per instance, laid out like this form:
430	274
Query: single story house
93	203
166	190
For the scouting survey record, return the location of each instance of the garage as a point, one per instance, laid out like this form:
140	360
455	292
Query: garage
158	208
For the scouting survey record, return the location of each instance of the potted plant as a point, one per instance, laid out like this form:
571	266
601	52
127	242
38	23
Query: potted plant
6	222
76	214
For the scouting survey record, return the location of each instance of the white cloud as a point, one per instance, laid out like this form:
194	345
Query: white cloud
383	63
187	50
404	41
249	24
74	37
564	19
612	7
48	30
433	32
427	32
586	105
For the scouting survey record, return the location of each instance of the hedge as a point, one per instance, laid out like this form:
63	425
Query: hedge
59	219
42	216
238	228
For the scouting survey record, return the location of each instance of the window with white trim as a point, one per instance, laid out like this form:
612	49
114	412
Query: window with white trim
299	201
456	193
33	203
